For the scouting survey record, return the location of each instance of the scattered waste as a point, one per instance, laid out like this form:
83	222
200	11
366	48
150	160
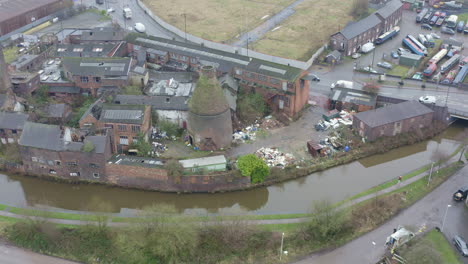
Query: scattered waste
275	158
335	119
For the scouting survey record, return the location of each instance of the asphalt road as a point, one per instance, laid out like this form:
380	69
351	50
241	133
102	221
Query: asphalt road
425	214
14	255
138	16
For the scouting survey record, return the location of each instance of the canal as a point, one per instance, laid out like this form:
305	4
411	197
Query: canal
295	196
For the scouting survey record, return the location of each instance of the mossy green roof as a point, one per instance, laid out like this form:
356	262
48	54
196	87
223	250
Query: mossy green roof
208	97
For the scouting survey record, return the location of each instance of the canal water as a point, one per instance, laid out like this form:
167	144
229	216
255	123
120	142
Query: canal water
295	196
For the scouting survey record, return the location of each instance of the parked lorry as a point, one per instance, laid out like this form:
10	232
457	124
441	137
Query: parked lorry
342	84
388	35
127	13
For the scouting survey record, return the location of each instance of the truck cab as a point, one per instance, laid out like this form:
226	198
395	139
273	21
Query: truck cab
127	13
461	194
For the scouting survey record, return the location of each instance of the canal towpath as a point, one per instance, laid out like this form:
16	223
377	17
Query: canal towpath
399	184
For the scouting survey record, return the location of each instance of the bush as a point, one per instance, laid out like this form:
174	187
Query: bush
174	168
170	128
142	145
88	146
74	121
250	107
253	167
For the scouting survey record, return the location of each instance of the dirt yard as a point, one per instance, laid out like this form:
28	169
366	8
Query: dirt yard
217	20
306	30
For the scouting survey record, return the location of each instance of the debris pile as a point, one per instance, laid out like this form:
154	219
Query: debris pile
157	149
275	158
270	123
335	120
246	134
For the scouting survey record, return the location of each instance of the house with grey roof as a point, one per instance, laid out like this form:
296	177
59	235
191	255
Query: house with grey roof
58	114
126	122
90	74
11	126
355	34
52	150
388	121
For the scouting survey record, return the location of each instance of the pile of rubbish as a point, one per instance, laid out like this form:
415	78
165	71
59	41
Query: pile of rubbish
157	149
275	158
335	119
246	134
270	123
157	134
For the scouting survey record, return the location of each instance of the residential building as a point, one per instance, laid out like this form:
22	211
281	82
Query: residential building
351	99
392	120
283	87
333	57
90	50
15	14
11	126
126	122
63	152
350	39
206	164
24	83
97	35
90	74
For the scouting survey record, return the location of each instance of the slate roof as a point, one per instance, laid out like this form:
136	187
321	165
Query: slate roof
64	89
125	114
176	103
56	110
389	8
41	136
103	34
392	113
84	50
99	143
24	59
110	67
225	61
13	8
336	54
354	29
12	120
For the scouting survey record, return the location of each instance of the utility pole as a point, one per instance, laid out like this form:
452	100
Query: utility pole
281	249
185	26
247	44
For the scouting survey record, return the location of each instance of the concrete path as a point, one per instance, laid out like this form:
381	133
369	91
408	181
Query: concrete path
258	32
14	255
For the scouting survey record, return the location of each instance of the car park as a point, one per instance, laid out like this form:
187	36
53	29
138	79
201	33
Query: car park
461	194
461	246
447	30
385	65
427	99
426	26
394	54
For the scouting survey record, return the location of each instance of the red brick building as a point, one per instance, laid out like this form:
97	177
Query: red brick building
55	151
126	122
11	126
90	74
350	39
392	120
24	83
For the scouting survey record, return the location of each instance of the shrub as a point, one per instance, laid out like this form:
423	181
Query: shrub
88	146
253	167
174	168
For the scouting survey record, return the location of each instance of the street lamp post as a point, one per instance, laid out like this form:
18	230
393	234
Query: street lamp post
430	174
373	250
445	216
281	249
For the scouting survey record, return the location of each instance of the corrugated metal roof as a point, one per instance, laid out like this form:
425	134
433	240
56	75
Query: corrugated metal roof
190	163
13	8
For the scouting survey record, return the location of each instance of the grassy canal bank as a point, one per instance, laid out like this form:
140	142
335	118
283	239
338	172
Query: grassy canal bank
241	241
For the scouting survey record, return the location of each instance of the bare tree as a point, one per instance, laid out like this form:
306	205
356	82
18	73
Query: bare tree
439	157
463	138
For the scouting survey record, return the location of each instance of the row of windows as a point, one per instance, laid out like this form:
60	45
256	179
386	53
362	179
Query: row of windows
124	127
74	174
85	79
183	58
59	163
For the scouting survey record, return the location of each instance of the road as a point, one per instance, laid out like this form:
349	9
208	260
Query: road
14	255
138	16
426	213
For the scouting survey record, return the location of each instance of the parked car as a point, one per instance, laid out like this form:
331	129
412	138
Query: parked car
434	35
426	26
402	50
461	194
460	244
314	77
428	99
110	10
385	65
356	55
369	69
394	54
447	30
99	2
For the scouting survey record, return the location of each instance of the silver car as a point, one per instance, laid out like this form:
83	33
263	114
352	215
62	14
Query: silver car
385	65
460	244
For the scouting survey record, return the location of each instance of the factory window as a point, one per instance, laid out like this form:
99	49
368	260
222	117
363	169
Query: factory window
193	60
97	79
72	163
173	55
50	162
262	78
52	171
78	50
108	126
74	174
61	49
238	72
13	131
34	159
274	81
123	140
122	127
58	162
96	175
94	165
97	49
251	75
184	58
135	128
84	79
